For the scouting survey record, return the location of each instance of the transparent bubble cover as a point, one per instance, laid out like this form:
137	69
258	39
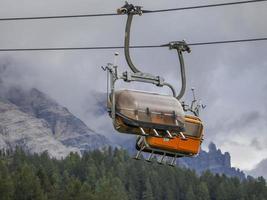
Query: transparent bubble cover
149	107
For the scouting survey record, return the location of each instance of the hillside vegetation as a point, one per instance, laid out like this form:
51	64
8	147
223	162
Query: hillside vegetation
113	175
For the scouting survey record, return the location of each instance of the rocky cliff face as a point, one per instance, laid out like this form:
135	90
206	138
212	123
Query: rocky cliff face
213	160
33	135
28	115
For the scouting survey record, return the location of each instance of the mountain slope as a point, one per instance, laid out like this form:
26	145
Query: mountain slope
36	118
33	135
67	128
259	170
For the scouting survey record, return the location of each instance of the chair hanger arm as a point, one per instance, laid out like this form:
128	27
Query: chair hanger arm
127	44
181	46
130	10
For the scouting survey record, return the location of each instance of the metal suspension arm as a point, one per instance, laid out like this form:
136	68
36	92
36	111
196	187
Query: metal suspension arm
130	10
127	43
181	46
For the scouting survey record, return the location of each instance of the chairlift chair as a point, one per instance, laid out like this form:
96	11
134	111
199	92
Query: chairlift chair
158	119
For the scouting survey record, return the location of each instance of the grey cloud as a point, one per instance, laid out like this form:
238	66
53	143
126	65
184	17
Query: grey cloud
256	144
245	120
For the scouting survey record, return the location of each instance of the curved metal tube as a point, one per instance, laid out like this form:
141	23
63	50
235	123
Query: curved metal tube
127	43
183	78
179	46
171	87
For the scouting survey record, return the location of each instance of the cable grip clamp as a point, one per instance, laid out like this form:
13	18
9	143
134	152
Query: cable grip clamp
180	46
130	9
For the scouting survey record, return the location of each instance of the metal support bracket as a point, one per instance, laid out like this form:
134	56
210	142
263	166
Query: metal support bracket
183	136
137	157
150	157
156	133
143	131
143	77
173	162
169	134
162	159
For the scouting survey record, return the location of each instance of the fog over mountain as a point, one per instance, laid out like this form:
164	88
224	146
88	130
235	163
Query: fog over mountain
230	79
259	170
19	129
35	122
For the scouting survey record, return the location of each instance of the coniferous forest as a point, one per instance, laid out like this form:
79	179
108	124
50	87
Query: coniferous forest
113	175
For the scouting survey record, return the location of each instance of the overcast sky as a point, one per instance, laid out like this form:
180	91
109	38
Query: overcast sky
230	79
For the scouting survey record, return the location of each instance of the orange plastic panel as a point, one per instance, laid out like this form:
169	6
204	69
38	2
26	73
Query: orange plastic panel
175	145
190	145
164	143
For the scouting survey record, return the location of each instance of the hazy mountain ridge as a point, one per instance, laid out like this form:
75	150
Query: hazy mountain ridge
213	160
33	135
259	170
70	130
44	116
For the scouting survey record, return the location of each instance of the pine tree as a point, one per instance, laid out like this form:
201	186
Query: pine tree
44	181
72	189
6	184
190	194
110	189
85	193
221	193
147	193
27	185
202	191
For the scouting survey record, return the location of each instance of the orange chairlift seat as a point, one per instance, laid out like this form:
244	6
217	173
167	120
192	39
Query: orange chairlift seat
185	144
159	120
